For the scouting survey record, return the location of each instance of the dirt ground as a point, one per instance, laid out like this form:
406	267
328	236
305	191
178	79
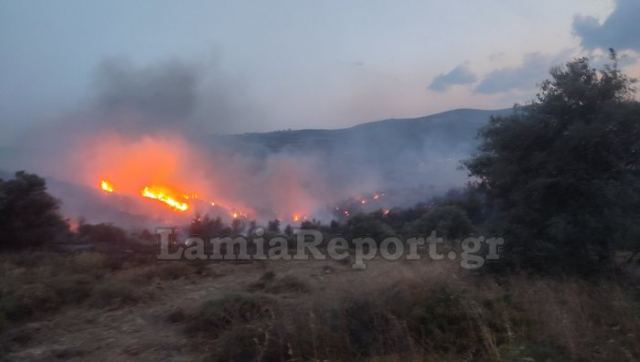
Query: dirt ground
143	333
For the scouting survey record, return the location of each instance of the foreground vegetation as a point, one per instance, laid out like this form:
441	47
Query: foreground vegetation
286	311
558	179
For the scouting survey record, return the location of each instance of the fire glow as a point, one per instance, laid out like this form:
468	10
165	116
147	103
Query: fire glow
106	186
159	170
163	195
155	193
169	198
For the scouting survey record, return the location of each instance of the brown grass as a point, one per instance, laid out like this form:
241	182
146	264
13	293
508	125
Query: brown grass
327	311
435	312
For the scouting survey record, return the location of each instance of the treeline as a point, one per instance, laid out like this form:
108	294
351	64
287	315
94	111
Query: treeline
558	179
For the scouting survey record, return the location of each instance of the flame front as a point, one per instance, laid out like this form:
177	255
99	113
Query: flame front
106	186
161	195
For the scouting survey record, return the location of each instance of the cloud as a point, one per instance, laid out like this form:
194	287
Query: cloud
460	75
523	77
621	30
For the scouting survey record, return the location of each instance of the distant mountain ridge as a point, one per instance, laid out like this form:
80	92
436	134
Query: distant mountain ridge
417	156
457	128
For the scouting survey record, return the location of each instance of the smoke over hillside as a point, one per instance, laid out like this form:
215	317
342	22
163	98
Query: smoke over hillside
159	130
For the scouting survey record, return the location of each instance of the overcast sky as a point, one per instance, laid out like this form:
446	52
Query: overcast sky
238	66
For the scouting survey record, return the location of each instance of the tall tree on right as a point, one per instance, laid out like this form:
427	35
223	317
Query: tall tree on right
563	173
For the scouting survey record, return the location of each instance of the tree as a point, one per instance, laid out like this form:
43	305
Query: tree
367	225
563	171
273	226
102	233
237	226
450	222
29	216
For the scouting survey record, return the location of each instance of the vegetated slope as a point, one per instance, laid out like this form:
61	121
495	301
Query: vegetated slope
450	131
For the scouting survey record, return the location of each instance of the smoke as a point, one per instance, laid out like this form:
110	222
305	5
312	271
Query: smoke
138	99
174	95
164	124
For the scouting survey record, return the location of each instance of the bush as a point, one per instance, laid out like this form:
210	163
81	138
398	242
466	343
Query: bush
368	225
28	300
449	222
260	342
101	233
176	315
562	171
89	263
174	270
114	294
215	316
73	289
28	214
286	284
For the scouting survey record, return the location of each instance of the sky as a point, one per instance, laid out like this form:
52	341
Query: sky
243	66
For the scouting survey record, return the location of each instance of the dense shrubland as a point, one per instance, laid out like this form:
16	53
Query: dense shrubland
558	179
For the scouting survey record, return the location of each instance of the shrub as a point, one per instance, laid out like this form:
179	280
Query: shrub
562	171
114	294
176	315
29	216
89	263
260	342
174	270
215	316
450	222
286	284
72	289
266	278
101	233
368	225
28	300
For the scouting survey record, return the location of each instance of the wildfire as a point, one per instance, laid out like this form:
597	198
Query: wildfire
106	186
162	195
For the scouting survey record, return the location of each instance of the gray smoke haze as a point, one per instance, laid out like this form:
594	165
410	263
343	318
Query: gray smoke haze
163	95
165	123
171	95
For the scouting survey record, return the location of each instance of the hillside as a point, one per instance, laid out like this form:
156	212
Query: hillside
415	158
453	130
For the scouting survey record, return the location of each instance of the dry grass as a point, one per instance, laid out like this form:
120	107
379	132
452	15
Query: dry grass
326	311
434	312
270	283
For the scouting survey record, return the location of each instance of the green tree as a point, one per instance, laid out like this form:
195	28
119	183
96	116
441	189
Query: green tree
563	171
206	227
368	225
29	216
450	222
274	226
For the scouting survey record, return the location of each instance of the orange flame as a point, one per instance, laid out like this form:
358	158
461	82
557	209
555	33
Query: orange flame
106	186
159	194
